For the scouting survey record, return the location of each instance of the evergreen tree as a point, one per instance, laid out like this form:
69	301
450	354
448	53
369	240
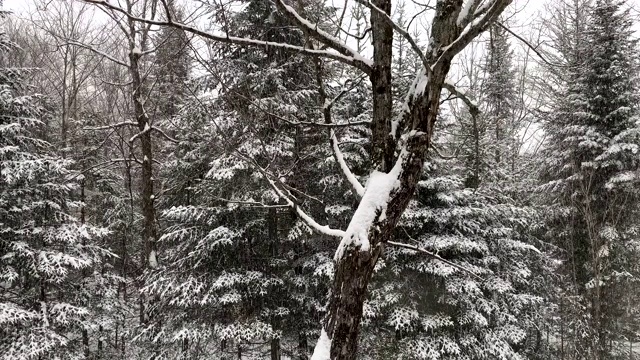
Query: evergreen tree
49	259
172	65
590	164
476	295
255	270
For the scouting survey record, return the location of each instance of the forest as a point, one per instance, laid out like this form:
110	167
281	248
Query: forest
323	180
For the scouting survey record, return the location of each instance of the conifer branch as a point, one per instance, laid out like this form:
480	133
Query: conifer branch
435	256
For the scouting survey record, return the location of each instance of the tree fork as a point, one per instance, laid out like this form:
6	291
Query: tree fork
355	266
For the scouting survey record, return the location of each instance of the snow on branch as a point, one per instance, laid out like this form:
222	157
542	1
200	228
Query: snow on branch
344	55
112	126
337	154
483	16
332	125
327	39
131	123
164	134
467	12
372	207
322	229
435	256
101	53
359	189
462	95
146	129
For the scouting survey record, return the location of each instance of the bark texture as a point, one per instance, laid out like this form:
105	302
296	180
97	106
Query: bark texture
355	268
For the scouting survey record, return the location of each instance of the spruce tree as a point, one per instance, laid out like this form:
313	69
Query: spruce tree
49	259
590	164
242	271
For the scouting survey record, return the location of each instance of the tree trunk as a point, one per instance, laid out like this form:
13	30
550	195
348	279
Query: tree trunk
149	254
406	156
275	349
303	346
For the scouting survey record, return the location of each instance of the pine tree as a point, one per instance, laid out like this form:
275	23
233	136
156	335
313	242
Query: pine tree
172	65
590	163
49	259
476	295
256	274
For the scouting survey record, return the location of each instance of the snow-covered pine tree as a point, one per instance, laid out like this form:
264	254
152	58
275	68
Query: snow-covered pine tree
492	132
427	308
590	165
243	274
476	296
49	260
498	96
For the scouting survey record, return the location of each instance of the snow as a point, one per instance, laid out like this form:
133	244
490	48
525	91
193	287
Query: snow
353	54
373	205
153	261
322	350
345	168
421	86
136	51
421	79
45	313
464	13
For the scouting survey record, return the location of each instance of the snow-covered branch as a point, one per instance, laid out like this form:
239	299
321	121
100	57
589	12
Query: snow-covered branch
131	123
322	229
322	36
467	12
435	256
483	16
325	125
359	189
344	55
164	134
462	95
146	129
112	126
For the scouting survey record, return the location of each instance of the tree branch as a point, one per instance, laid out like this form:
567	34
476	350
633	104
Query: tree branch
325	38
112	126
397	28
482	19
435	256
103	54
462	95
358	62
530	46
322	229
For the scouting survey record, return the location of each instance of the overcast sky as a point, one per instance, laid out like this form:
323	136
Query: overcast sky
532	6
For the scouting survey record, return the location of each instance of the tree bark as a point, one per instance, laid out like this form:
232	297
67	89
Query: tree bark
354	267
